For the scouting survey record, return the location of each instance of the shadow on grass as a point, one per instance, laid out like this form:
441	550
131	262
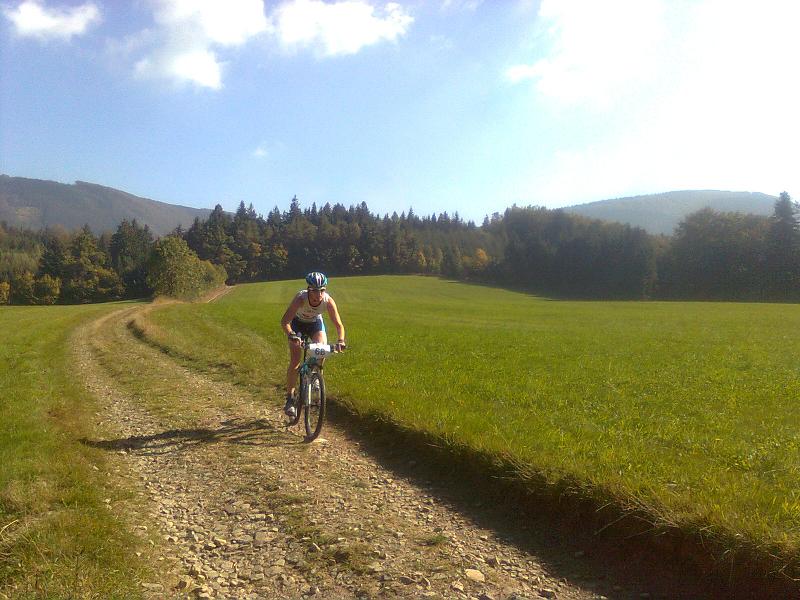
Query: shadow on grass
547	295
589	541
257	432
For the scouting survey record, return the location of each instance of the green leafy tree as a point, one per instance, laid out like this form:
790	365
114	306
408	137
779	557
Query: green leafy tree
418	263
22	289
87	276
20	250
213	240
274	260
16	262
717	256
47	289
452	263
175	270
355	262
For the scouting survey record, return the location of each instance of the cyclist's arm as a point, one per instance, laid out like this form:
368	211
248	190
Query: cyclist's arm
286	321
333	313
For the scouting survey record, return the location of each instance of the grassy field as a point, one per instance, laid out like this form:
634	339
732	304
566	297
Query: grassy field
686	411
57	537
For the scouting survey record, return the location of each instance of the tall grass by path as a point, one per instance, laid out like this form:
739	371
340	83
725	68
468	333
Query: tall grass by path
58	540
687	411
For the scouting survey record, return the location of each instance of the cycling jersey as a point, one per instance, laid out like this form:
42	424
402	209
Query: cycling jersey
307	313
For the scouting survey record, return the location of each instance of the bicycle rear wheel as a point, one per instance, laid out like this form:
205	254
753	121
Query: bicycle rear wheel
315	404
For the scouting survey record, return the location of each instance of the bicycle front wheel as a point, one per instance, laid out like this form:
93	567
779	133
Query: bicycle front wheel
315	404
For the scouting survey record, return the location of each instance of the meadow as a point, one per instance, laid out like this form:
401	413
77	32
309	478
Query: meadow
58	538
684	412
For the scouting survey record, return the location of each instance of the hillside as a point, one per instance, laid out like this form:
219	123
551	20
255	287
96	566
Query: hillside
36	203
661	213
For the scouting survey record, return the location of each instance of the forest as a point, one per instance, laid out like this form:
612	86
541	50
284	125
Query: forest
711	255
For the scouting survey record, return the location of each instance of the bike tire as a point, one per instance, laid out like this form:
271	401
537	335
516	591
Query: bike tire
298	405
315	405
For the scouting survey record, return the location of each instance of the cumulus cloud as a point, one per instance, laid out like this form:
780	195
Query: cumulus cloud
35	19
190	37
229	23
337	29
594	47
720	112
190	34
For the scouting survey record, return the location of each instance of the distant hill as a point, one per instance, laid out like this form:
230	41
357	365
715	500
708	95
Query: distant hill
35	204
661	213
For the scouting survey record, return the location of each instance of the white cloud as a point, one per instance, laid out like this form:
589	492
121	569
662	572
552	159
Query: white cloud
517	73
458	5
268	150
229	23
34	19
594	48
200	66
340	28
723	116
190	35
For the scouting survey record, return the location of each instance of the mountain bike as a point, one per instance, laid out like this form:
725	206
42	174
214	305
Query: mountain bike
310	401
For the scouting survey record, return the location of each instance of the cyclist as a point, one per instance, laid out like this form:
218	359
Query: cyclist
304	317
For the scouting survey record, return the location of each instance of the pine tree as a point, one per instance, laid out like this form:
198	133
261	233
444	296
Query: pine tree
784	249
130	250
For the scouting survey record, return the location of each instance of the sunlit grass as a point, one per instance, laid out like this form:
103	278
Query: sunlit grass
59	539
687	411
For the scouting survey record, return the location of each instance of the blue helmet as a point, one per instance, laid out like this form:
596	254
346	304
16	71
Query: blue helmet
317	280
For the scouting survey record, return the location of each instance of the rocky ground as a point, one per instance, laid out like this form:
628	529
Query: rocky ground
235	505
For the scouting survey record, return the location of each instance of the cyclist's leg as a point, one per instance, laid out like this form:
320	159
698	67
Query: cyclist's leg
295	356
319	336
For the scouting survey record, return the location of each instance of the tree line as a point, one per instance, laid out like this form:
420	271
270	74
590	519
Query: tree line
712	255
56	266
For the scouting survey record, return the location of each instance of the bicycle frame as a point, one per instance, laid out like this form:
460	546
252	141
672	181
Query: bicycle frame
305	365
316	358
312	383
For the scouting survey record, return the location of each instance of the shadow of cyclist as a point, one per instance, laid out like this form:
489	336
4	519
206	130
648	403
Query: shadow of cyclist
256	432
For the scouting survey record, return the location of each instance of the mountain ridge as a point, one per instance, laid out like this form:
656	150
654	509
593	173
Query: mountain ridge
661	213
39	203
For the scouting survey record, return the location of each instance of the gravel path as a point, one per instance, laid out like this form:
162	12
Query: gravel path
234	505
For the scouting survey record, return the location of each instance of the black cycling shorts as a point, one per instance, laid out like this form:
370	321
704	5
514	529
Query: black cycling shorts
308	329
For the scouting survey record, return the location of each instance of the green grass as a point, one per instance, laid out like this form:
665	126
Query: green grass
58	540
686	411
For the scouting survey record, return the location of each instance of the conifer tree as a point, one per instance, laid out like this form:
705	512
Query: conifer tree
784	249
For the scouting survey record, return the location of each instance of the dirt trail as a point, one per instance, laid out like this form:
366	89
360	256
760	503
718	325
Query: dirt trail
237	506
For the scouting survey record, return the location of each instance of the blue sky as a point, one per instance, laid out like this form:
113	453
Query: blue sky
443	105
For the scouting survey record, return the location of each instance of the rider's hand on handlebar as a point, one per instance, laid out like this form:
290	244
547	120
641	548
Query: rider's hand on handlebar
340	346
294	338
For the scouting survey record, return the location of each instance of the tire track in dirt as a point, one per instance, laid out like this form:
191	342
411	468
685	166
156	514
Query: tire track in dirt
236	506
